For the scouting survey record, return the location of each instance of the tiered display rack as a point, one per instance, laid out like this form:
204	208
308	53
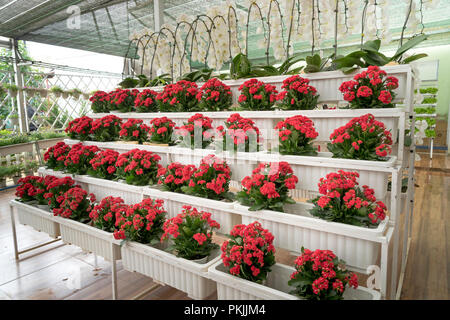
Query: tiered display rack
362	248
432	115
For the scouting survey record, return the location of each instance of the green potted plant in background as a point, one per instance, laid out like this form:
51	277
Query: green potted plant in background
12	89
14	118
16	173
75	93
57	91
43	92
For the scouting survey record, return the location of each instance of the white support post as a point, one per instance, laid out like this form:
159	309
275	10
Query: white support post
158	10
384	261
395	192
13	226
21	110
113	272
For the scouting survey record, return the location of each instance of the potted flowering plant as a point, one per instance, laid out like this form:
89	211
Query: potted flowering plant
362	138
134	130
241	135
75	204
56	155
100	101
41	188
78	159
249	254
161	130
56	189
211	179
256	95
79	128
191	231
178	97
106	128
103	164
75	93
214	95
343	201
268	187
27	189
142	222
175	176
321	275
146	101
103	215
370	89
297	94
196	133
123	99
296	135
138	167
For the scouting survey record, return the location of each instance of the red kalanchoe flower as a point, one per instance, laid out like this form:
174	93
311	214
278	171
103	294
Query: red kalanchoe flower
78	159
343	201
249	253
363	138
134	130
104	164
256	95
138	167
180	96
268	187
123	99
56	155
146	101
106	128
196	133
161	130
296	135
176	176
297	94
323	276
214	96
79	128
187	245
100	102
241	135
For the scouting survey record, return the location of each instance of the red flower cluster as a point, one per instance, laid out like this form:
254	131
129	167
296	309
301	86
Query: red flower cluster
370	89
323	276
104	164
104	214
249	253
214	96
123	99
100	101
161	130
362	138
256	95
134	130
141	222
239	130
211	179
56	155
30	188
75	204
343	201
146	101
192	233
106	128
56	188
78	159
297	94
268	186
175	176
138	167
180	96
296	134
197	132
79	128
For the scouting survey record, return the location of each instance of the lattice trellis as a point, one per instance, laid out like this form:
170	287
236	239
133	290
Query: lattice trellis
51	112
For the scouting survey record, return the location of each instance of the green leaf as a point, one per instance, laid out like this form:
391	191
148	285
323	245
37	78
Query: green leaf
414	58
373	46
314	60
408	45
257	207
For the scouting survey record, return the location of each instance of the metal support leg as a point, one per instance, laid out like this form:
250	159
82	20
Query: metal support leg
113	273
13	226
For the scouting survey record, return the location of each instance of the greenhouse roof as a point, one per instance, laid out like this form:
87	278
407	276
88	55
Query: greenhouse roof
105	25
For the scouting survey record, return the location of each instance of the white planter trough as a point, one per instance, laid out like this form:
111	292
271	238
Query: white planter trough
359	247
163	267
310	169
89	238
221	211
230	287
38	219
102	188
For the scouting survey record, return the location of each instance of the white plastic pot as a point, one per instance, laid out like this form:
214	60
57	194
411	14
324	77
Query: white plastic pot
164	267
89	238
359	247
230	287
221	211
38	219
